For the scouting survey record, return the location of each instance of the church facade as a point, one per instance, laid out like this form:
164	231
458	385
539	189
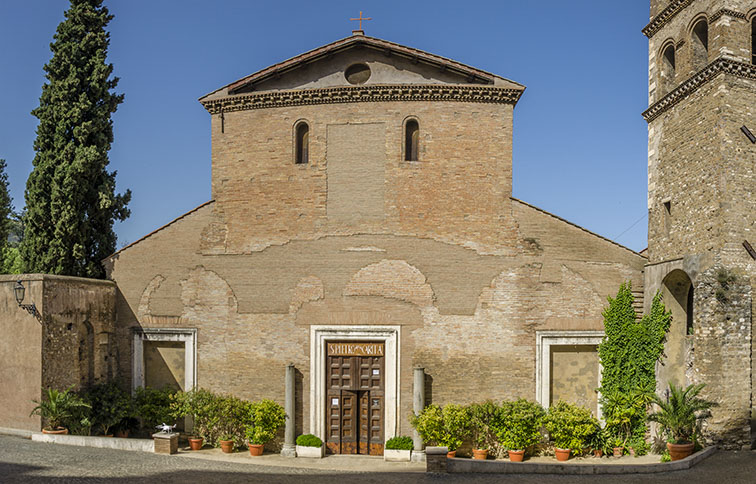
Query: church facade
362	225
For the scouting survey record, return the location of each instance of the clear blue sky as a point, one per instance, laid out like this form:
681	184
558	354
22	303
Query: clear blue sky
579	138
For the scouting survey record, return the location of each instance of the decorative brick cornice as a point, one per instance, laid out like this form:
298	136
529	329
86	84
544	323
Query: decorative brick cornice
730	13
352	94
721	65
665	16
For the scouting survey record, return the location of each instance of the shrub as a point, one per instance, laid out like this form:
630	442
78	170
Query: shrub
198	404
153	406
228	417
309	440
521	423
570	426
59	407
447	426
265	418
400	443
110	405
484	423
680	416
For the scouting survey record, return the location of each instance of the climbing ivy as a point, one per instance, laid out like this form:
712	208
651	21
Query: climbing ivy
628	356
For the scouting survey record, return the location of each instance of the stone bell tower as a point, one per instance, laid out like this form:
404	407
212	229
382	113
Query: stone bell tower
701	202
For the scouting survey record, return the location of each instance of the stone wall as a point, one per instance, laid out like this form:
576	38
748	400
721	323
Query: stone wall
70	347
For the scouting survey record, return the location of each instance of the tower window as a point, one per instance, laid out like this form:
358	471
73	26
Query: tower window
411	140
689	312
700	44
302	144
668	69
667	216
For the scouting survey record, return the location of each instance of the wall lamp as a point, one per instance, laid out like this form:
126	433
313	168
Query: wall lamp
19	290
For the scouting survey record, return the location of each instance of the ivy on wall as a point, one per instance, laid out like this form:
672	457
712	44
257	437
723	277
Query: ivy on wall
628	356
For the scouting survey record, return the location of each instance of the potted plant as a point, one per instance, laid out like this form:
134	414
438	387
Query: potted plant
265	418
398	449
57	408
445	426
520	427
483	417
570	427
597	442
226	442
199	405
680	417
618	446
110	406
311	446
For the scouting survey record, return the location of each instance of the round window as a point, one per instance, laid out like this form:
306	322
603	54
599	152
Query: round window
357	74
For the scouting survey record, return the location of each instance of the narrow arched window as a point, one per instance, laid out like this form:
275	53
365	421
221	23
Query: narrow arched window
302	144
668	69
689	312
753	40
700	44
411	140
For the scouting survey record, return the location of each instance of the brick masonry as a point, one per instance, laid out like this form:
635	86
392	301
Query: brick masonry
702	206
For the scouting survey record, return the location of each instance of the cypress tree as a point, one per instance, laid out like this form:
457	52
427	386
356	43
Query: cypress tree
6	210
71	203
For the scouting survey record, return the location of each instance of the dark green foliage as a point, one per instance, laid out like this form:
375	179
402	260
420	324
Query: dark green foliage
571	427
110	406
681	414
628	358
6	209
70	196
154	407
394	443
519	424
484	422
216	416
309	440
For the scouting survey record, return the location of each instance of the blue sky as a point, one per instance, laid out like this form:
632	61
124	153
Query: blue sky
579	138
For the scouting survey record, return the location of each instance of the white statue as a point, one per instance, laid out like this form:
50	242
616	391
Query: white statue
168	429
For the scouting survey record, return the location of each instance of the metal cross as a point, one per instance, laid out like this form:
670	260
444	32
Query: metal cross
361	18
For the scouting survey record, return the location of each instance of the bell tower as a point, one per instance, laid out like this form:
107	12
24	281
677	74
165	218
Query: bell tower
701	201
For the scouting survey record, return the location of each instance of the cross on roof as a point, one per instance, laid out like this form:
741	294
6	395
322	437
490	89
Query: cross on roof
360	19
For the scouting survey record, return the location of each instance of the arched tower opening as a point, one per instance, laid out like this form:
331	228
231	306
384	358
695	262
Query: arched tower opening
700	44
678	297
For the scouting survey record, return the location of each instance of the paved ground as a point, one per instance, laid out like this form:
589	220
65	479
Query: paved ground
22	460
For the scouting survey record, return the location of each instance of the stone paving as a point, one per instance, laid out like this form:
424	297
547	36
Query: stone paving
22	460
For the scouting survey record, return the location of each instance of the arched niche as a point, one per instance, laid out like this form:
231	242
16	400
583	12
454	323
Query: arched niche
678	295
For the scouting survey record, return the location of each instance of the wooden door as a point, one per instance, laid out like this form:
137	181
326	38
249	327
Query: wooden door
355	393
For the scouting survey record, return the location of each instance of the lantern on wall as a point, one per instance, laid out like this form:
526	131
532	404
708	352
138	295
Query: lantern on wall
19	291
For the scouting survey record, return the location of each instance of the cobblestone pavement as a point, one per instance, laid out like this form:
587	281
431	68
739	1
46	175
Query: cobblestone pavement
25	461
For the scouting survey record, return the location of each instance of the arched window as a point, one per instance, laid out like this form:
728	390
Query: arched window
700	44
667	80
689	312
411	140
302	144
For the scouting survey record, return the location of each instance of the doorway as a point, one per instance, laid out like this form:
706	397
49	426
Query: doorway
355	397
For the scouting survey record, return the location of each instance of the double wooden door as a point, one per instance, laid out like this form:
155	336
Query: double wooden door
355	398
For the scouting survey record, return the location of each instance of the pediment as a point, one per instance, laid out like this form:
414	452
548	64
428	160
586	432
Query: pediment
376	62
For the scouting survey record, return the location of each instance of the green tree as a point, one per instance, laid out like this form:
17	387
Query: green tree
10	260
71	203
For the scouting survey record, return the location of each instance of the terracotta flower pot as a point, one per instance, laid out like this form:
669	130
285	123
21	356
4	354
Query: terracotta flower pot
680	451
451	454
632	451
562	454
617	451
227	446
195	443
480	454
57	431
256	449
516	455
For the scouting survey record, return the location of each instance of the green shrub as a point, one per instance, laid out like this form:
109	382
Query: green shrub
265	418
153	407
110	405
229	418
59	408
309	440
570	426
521	422
447	426
484	423
400	443
198	404
680	416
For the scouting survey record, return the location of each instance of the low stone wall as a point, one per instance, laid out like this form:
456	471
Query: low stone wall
505	467
142	445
